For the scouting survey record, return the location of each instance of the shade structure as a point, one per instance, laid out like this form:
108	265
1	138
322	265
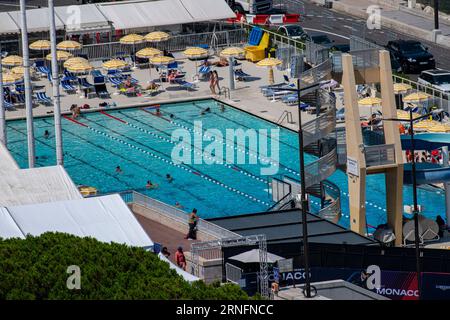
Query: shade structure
12	61
234	52
401	88
68	45
60	56
11	78
369	101
252	256
79	68
114	64
132	39
75	60
40	45
157	36
195	52
269	63
404	115
148	52
416	97
161	60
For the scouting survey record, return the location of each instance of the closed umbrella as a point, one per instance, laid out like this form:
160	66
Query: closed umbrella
252	256
68	45
12	61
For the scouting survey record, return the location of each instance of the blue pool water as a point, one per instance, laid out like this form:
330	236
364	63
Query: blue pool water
141	144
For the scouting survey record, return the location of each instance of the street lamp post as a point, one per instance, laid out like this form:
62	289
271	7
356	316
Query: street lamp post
436	14
303	199
414	181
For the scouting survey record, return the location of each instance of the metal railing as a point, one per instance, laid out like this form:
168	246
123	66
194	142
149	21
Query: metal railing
332	211
321	169
378	155
175	213
317	73
175	43
362	59
233	274
320	127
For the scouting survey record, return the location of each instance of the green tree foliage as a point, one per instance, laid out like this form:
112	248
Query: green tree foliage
36	268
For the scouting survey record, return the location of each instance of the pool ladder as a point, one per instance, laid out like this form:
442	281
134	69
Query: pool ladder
286	115
225	91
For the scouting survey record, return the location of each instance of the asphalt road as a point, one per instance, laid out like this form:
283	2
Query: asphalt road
320	18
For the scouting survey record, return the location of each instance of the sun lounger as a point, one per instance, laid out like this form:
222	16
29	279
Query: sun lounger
84	84
185	84
20	98
101	90
96	73
69	76
43	98
241	75
8	106
67	86
116	81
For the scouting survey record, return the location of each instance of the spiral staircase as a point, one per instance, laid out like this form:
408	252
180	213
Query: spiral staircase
319	139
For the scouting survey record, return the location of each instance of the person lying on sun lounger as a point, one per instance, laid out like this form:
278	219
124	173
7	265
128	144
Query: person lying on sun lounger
152	86
223	62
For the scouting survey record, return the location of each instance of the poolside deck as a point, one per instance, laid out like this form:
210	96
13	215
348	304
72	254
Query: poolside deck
246	96
164	235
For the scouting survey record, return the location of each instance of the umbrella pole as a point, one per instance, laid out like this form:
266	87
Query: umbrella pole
3	138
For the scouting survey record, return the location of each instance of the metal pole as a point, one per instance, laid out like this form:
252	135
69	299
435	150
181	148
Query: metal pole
27	85
436	14
231	69
3	138
55	81
304	201
416	214
445	158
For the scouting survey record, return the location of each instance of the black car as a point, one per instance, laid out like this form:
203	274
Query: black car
411	55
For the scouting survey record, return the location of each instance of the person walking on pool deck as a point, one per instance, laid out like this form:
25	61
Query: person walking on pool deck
180	258
216	80
212	83
193	220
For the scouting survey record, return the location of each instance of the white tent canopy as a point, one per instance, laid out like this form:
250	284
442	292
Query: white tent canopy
37	20
107	219
121	15
8	228
85	17
252	256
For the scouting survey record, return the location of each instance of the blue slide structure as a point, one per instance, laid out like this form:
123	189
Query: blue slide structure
426	172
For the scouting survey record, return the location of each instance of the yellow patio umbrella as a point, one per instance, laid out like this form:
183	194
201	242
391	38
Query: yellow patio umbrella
80	68
234	52
75	60
161	60
60	56
114	64
157	36
401	88
68	45
425	124
12	61
195	52
20	70
148	52
269	63
404	115
10	78
40	45
416	97
132	39
369	101
439	128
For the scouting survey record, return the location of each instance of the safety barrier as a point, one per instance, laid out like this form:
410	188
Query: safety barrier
175	213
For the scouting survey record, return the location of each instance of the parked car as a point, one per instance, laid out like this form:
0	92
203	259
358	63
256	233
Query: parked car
436	78
293	31
412	55
342	47
322	39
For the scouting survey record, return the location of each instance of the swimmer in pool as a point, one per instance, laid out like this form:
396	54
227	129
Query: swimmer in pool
118	169
151	185
178	205
169	178
46	134
158	112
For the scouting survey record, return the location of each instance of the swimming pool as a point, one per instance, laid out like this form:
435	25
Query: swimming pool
141	143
